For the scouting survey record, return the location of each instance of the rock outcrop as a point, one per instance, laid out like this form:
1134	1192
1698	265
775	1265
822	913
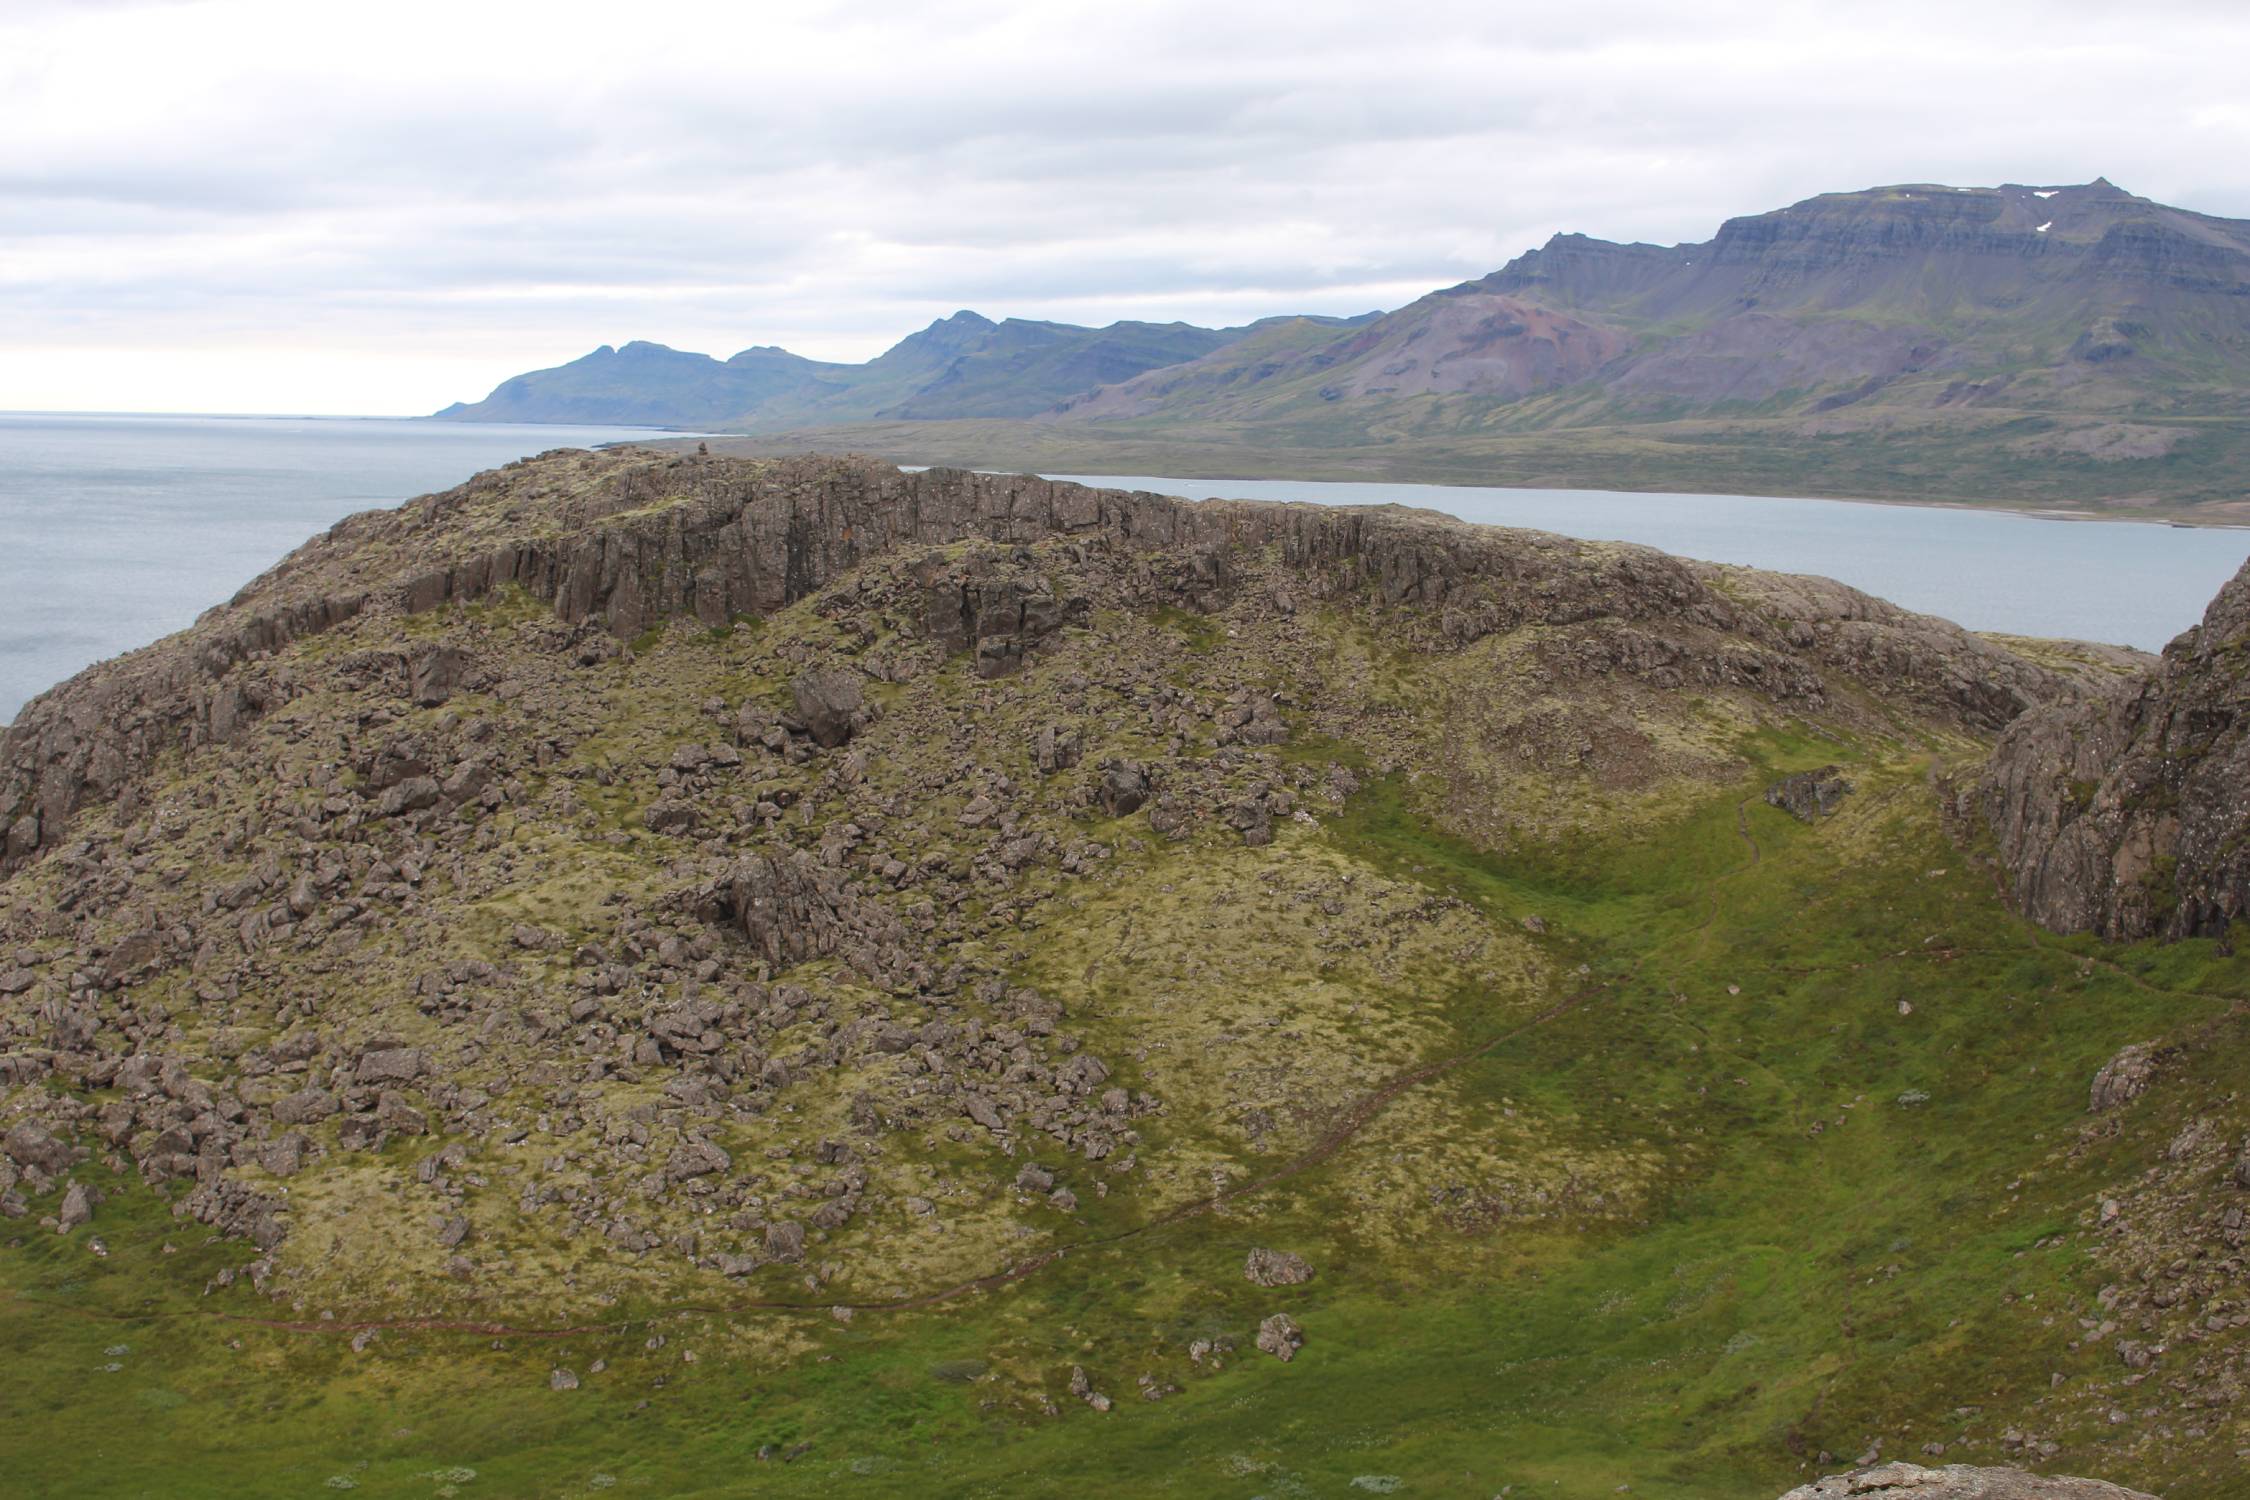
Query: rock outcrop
2128	813
624	541
1809	796
1956	1482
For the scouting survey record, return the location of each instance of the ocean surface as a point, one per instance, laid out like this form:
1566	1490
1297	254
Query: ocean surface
116	530
2126	583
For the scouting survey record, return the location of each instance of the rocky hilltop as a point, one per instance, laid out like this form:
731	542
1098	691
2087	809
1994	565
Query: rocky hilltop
633	543
890	976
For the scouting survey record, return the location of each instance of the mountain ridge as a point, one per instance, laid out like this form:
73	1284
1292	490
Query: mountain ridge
2070	346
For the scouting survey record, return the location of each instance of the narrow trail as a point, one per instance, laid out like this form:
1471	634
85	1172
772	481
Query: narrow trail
1347	1126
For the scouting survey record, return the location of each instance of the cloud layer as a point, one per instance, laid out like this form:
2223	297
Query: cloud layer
248	205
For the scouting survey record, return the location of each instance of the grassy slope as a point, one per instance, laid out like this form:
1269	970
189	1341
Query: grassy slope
1780	1291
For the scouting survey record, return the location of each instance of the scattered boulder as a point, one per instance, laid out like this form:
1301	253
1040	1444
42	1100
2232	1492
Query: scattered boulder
2122	1079
1124	787
671	815
305	1107
563	1380
1276	1268
830	703
1082	1386
1280	1337
391	1065
410	796
1055	748
1810	796
77	1209
33	1145
696	1159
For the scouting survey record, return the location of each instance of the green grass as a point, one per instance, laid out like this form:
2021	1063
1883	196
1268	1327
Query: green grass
1855	1223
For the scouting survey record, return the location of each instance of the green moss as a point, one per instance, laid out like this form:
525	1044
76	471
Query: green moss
1198	633
1783	1257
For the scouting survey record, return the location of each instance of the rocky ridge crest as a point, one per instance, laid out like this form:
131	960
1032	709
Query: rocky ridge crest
620	542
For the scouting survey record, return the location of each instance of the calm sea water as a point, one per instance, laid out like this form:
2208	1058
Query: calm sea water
117	530
2127	583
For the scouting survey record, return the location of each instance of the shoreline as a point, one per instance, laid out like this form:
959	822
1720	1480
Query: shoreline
2159	513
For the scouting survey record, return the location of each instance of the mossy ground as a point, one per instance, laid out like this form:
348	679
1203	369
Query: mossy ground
1793	1163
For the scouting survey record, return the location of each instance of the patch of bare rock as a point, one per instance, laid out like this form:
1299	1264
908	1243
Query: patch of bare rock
1900	1481
1276	1268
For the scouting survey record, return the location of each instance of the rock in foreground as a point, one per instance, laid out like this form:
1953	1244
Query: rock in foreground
1957	1482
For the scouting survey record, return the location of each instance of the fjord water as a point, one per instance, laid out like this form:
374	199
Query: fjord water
115	530
2122	583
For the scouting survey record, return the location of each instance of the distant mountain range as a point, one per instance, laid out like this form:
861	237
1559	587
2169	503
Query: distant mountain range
2059	345
962	366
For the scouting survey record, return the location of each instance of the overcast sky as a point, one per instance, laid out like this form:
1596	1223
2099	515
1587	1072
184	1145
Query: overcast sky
236	205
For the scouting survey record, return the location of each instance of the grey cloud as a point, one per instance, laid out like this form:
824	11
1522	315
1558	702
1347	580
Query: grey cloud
883	164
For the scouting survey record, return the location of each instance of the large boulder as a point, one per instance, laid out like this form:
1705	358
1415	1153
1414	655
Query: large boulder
1809	796
391	1065
1280	1337
435	673
2122	1079
790	907
830	704
1276	1268
1956	1482
1124	787
32	1145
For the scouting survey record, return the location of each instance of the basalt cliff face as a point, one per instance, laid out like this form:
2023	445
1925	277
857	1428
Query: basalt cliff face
2129	814
879	979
